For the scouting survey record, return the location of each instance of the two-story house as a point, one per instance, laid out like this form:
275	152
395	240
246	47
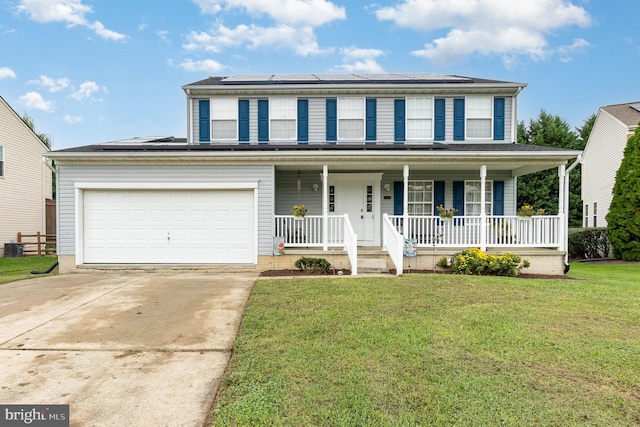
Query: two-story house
603	154
25	179
371	157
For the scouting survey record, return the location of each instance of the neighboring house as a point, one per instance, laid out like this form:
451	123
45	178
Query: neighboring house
602	157
371	157
25	179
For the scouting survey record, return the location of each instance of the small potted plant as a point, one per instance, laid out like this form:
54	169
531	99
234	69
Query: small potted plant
446	214
528	211
299	211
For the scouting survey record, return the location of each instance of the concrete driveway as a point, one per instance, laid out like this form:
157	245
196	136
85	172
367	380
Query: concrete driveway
122	349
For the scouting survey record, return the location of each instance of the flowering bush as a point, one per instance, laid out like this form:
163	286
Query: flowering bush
299	211
528	210
446	213
477	262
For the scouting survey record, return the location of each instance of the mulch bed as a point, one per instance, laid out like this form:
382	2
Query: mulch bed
298	273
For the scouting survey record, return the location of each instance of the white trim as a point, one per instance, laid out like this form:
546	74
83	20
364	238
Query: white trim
79	234
467	117
363	118
294	137
166	185
406	118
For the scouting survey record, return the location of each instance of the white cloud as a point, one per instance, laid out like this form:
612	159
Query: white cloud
300	40
35	101
359	60
162	34
87	90
54	85
71	12
294	23
486	27
73	119
297	13
207	65
7	73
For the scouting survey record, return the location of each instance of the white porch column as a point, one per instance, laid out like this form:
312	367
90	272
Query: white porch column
405	202
561	205
483	213
325	207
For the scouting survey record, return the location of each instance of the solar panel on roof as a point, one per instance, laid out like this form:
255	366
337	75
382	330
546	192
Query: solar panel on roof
636	106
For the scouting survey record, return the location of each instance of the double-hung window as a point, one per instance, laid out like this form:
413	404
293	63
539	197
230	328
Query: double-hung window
1	161
224	118
479	112
351	117
419	118
282	116
420	197
473	195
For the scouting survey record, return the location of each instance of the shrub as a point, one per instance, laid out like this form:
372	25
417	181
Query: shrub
585	243
315	265
443	262
477	262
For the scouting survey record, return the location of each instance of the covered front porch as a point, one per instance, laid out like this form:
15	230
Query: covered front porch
357	212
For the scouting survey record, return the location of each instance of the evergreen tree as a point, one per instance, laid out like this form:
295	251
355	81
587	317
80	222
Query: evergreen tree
623	219
541	189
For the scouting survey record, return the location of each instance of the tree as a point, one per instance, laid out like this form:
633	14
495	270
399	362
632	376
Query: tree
540	189
623	219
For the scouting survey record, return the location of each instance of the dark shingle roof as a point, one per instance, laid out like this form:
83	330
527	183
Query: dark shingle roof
626	113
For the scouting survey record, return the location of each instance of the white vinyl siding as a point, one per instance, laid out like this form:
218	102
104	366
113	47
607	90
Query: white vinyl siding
479	116
420	198
283	118
419	116
472	198
351	118
224	119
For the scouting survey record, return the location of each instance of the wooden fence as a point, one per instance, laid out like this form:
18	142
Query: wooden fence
38	244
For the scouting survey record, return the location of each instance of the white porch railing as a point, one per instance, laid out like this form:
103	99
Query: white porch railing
393	243
351	245
464	231
307	231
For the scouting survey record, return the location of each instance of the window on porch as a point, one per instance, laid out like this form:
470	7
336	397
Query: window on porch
420	198
472	198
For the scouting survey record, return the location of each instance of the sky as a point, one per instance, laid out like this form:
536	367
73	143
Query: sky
92	71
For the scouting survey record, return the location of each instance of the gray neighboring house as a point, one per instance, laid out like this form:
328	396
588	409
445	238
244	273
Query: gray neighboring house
25	179
602	157
370	156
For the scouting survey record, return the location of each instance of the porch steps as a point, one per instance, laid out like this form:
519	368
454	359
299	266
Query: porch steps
372	261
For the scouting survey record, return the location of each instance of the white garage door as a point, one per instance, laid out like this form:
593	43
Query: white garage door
169	226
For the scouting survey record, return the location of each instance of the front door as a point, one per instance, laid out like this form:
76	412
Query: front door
358	196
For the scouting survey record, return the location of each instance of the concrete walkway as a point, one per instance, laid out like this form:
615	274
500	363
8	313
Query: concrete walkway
122	349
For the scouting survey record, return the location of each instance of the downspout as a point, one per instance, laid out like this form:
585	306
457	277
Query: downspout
514	115
566	212
189	117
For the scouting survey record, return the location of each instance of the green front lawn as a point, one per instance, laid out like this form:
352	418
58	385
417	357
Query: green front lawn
438	350
12	269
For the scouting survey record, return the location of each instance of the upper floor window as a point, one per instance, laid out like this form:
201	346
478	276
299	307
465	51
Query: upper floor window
419	118
351	116
282	116
1	161
420	194
478	116
224	118
473	198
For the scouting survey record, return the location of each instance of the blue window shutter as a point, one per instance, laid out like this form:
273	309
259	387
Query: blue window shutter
458	119
398	120
204	122
243	120
438	134
458	197
498	119
398	197
303	120
332	119
371	119
498	197
438	196
263	120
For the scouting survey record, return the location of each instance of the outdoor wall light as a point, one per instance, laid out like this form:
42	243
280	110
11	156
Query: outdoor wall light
315	187
387	187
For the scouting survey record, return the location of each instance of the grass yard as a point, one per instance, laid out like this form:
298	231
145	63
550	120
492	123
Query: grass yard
12	269
438	350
